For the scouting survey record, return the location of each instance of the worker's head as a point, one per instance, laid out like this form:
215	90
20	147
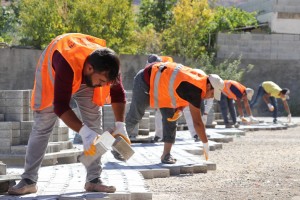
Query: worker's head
153	58
101	68
284	94
214	87
249	93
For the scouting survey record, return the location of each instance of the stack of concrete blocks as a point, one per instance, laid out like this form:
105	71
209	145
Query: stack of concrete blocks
146	124
15	127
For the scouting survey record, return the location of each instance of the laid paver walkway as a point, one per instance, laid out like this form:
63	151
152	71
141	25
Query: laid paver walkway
66	182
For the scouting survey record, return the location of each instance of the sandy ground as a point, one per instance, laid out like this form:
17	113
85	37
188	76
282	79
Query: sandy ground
260	165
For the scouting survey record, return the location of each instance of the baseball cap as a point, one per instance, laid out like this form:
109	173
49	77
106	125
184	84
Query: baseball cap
153	58
218	85
249	92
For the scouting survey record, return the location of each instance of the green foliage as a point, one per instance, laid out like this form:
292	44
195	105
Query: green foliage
231	18
8	21
156	12
106	19
41	21
148	40
188	35
229	69
44	20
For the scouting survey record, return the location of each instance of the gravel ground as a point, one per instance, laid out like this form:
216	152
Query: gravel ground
260	165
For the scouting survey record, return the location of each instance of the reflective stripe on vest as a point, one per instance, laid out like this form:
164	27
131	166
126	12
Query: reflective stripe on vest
68	44
165	79
170	86
227	91
38	74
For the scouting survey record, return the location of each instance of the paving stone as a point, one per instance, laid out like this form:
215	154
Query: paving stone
67	181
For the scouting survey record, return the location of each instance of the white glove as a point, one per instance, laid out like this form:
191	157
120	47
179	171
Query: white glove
88	136
271	107
120	130
205	150
289	117
204	119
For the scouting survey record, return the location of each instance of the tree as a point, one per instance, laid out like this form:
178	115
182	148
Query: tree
188	35
41	21
156	12
8	21
231	18
106	19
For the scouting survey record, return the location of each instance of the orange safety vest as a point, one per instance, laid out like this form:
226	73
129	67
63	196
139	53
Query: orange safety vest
166	59
227	90
75	48
164	80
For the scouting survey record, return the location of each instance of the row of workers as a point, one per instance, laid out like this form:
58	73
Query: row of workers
81	67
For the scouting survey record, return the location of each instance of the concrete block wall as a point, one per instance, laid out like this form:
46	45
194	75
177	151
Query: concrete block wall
16	125
259	46
276	57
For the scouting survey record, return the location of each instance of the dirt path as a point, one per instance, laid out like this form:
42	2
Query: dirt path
260	165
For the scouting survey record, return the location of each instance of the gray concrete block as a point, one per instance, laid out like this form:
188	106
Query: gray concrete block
9	125
2	168
18	149
161	173
146	173
12	133
26	125
199	168
16	117
123	148
141	196
186	169
5	150
120	196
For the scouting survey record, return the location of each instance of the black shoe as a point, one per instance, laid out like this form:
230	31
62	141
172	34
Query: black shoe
275	121
156	139
196	138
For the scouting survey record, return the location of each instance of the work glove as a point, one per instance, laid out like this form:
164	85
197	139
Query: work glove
205	150
120	130
176	116
88	137
271	107
289	118
204	119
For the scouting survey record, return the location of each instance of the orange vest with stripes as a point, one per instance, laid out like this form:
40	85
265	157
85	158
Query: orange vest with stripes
166	59
165	79
75	48
227	90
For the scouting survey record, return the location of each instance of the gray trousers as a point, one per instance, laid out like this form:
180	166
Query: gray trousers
140	102
44	121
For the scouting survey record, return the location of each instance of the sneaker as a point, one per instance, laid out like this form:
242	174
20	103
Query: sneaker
196	138
236	125
98	187
25	186
254	120
156	139
275	121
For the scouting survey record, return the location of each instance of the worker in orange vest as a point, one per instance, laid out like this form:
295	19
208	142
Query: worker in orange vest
168	86
235	91
78	66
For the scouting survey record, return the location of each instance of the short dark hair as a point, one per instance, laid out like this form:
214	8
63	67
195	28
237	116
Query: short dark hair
105	59
285	91
153	58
